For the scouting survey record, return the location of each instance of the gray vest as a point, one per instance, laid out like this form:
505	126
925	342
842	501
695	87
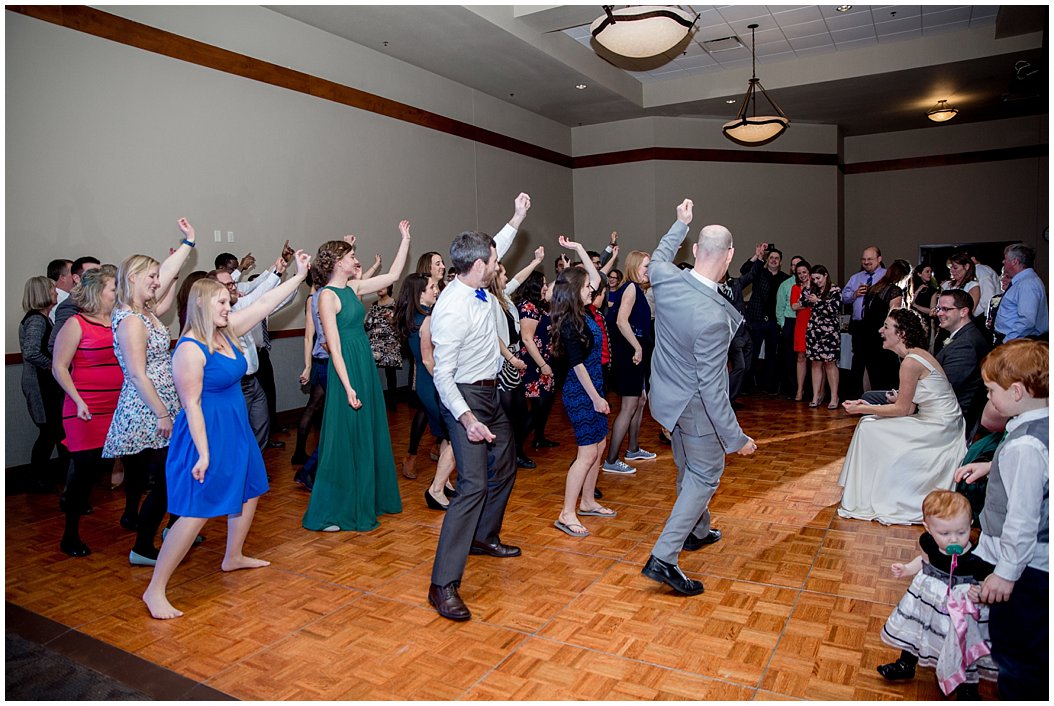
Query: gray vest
994	513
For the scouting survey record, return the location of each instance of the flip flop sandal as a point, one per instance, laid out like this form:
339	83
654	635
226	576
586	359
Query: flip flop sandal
566	529
599	512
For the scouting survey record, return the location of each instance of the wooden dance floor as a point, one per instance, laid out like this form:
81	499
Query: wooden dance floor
794	603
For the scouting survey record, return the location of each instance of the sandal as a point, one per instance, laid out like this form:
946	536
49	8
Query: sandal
833	405
814	403
568	529
598	512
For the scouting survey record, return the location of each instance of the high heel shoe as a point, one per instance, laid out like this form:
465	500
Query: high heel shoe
814	403
834	405
139	560
448	490
74	547
432	502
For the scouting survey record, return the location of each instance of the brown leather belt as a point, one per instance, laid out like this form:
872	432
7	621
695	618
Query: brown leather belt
490	382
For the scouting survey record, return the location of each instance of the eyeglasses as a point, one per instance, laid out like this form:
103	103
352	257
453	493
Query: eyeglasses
947	308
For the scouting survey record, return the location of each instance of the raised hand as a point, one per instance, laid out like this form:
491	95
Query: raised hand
569	244
279	265
539	253
684	212
303	260
759	250
376	259
287	252
350	240
404	230
614	238
522	204
188	230
614	252
247	263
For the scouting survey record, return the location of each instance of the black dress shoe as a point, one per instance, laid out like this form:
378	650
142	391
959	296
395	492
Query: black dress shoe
693	542
663	439
544	444
499	550
672	576
447	602
299	458
130	523
896	671
272	444
303	479
524	462
74	547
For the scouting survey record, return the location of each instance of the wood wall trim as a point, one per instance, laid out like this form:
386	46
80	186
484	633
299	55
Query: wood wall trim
135	34
687	154
947	160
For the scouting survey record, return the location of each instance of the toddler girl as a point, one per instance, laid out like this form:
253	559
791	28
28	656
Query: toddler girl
957	645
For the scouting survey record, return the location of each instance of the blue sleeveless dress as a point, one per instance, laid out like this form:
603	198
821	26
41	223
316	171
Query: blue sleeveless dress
236	471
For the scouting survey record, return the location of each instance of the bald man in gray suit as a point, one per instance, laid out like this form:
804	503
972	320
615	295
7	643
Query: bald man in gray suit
694	326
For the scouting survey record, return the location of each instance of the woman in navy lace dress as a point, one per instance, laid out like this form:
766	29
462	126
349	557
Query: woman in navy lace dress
576	344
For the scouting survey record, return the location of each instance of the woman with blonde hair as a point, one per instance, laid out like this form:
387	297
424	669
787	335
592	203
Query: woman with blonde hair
632	339
43	396
142	422
214	464
86	368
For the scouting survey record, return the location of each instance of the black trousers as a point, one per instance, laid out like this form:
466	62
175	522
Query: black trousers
1021	639
486	473
265	376
765	374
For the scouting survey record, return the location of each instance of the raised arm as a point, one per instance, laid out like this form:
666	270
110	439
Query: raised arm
671	242
373	284
587	264
244	319
539	256
65	347
610	252
173	263
606	267
756	261
373	268
503	239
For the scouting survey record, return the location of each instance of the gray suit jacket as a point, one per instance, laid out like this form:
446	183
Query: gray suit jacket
694	326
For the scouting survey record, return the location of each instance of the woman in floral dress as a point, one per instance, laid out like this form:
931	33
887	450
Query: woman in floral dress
384	342
538	384
823	336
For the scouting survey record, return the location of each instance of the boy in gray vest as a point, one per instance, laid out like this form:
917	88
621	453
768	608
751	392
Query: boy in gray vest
1014	522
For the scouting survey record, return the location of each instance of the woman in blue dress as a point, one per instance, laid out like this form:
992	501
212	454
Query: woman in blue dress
577	342
413	317
214	465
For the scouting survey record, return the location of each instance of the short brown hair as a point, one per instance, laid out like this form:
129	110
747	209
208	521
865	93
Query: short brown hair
945	505
1021	360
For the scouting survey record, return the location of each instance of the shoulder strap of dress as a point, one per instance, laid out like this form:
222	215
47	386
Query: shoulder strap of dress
922	360
202	346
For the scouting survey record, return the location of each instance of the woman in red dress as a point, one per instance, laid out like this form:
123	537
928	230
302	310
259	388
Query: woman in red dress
801	322
92	387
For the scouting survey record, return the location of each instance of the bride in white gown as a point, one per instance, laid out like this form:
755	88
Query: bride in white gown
896	457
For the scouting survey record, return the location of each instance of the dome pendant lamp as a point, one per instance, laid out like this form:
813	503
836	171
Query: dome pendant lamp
750	129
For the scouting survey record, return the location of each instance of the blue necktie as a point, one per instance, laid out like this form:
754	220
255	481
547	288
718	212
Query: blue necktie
481	295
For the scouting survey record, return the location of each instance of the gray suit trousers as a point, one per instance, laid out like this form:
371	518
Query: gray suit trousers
700	462
256	405
485	476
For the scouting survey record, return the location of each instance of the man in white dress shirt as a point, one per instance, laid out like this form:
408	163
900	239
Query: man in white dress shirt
467	361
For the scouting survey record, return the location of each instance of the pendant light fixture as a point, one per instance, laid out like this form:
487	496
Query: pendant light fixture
641	31
942	112
750	129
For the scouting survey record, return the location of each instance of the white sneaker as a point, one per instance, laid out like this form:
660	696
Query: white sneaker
618	467
639	455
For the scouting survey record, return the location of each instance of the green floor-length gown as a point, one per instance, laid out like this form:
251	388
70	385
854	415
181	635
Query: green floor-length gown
356	480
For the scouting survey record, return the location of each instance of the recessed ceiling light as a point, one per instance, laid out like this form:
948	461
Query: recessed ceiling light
731	101
843	8
581	86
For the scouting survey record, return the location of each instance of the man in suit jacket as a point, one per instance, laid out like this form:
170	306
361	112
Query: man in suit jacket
694	326
962	354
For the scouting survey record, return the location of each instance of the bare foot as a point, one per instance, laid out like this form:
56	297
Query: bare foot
243	562
159	606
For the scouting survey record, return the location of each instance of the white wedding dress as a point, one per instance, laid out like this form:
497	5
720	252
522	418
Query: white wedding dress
894	462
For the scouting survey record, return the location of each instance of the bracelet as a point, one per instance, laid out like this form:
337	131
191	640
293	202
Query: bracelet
188	242
163	416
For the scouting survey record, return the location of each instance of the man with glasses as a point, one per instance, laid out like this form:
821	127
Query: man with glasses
864	346
960	357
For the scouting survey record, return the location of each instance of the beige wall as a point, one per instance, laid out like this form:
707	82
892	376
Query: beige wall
108	145
984	201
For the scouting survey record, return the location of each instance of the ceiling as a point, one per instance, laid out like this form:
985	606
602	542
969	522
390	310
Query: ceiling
869	69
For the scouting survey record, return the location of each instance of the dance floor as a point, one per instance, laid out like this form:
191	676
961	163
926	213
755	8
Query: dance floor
794	603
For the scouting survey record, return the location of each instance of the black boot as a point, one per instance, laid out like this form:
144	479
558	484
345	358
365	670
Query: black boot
903	668
967	692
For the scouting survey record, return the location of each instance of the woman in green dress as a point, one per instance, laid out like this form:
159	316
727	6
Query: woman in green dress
356	480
